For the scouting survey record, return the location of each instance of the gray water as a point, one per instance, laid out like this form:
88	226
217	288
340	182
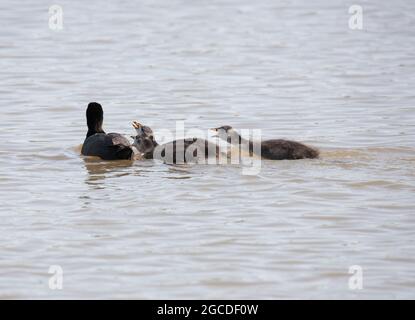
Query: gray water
293	69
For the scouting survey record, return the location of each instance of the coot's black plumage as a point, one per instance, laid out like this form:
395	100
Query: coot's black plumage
111	146
275	149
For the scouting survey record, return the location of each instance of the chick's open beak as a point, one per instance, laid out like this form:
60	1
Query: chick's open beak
215	130
139	128
136	125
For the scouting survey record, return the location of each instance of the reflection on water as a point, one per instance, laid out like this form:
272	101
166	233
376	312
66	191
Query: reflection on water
147	230
100	170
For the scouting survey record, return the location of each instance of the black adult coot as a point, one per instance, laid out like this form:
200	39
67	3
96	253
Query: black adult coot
275	149
175	152
111	146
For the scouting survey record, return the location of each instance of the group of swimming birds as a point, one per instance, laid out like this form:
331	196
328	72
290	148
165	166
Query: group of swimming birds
114	146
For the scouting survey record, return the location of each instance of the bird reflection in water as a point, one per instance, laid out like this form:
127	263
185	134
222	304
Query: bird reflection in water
99	170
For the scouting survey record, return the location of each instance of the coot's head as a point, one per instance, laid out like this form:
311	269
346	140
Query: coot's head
144	140
94	118
228	134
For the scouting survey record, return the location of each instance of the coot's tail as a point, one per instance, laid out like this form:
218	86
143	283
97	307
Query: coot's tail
312	153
